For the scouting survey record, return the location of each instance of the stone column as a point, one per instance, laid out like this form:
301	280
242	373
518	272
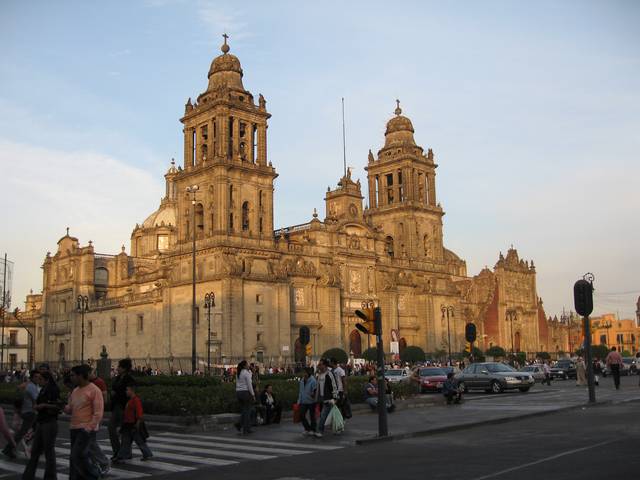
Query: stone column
262	144
211	142
372	191
432	189
236	138
188	148
252	136
381	188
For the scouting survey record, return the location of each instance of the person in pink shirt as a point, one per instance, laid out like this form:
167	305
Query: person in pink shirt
614	362
86	407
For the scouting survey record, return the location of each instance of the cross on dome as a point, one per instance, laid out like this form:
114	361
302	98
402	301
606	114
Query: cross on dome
225	47
398	110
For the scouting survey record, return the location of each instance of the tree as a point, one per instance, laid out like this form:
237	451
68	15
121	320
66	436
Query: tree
412	355
370	354
626	353
543	355
337	353
440	354
496	351
597	351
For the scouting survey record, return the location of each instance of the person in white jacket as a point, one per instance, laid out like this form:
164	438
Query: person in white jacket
246	397
326	393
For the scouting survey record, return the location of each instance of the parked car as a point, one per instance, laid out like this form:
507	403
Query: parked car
396	375
536	371
564	369
431	379
494	377
448	370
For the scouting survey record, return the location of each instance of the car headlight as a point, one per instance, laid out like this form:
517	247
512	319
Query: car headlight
560	372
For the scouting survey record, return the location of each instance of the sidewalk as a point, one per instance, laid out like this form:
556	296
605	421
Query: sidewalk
430	415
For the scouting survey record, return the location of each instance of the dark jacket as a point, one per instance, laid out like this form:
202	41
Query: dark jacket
119	389
49	394
330	388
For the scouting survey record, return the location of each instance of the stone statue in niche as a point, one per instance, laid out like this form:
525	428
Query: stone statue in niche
298	294
355	281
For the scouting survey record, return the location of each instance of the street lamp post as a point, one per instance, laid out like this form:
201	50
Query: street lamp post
448	311
511	316
16	314
209	302
192	190
568	319
83	306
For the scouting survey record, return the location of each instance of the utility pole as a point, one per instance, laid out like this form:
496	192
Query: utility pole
193	189
583	299
5	306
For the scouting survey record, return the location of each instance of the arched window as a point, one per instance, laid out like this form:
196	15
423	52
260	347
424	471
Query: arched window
199	218
100	281
389	246
245	216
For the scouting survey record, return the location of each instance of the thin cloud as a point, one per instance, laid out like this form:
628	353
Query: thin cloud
217	21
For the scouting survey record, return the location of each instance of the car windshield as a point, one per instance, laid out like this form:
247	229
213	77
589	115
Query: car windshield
432	372
499	367
393	373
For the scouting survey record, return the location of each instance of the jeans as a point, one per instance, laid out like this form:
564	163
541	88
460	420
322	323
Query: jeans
97	455
326	408
44	441
547	379
80	466
311	408
131	434
115	422
246	406
273	413
615	371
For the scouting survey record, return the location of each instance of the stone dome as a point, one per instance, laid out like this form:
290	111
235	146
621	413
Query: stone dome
399	129
225	70
165	215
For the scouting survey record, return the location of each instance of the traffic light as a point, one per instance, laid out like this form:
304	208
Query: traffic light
467	347
307	349
583	297
368	325
470	332
305	335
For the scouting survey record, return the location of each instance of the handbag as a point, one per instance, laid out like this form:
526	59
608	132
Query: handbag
144	433
296	413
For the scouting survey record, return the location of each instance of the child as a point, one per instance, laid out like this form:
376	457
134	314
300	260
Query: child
133	429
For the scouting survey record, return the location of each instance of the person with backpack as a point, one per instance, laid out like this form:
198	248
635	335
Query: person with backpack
133	428
326	394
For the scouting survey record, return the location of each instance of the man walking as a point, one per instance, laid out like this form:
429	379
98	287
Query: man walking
96	453
326	393
614	362
86	408
547	372
118	401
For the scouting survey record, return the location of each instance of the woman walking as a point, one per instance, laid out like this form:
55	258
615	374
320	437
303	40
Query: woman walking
307	401
581	372
246	397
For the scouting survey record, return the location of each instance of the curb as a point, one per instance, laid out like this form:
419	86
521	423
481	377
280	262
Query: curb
495	421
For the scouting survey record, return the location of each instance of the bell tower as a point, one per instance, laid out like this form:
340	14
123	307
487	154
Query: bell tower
225	154
402	194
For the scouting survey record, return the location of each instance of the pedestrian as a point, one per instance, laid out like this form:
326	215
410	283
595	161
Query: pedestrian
97	455
133	428
46	427
638	364
581	372
307	401
597	371
326	393
272	408
547	372
4	429
246	397
86	408
450	390
119	400
614	362
341	379
27	414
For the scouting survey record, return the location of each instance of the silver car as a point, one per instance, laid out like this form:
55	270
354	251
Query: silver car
396	375
494	377
536	371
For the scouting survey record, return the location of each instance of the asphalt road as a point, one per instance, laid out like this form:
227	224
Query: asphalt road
591	443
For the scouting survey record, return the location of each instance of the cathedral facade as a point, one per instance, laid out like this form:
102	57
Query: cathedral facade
268	283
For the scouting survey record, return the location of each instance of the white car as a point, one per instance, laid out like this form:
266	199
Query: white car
396	375
536	371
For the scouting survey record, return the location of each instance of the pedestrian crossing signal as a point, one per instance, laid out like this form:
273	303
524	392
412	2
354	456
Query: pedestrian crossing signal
307	349
467	347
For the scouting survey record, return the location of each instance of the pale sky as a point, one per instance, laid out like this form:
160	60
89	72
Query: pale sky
532	110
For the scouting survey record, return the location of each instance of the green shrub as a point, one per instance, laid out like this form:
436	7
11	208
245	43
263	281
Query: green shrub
496	351
337	353
370	354
412	354
543	355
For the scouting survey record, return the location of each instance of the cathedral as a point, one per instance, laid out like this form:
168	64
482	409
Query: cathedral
269	282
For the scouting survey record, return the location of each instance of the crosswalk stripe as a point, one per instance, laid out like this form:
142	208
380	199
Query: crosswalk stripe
168	467
259	442
114	472
216	453
193	459
229	446
19	468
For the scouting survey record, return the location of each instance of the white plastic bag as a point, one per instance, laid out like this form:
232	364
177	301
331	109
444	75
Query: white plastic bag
335	420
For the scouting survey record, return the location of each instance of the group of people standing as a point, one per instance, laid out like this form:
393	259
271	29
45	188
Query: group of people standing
41	405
